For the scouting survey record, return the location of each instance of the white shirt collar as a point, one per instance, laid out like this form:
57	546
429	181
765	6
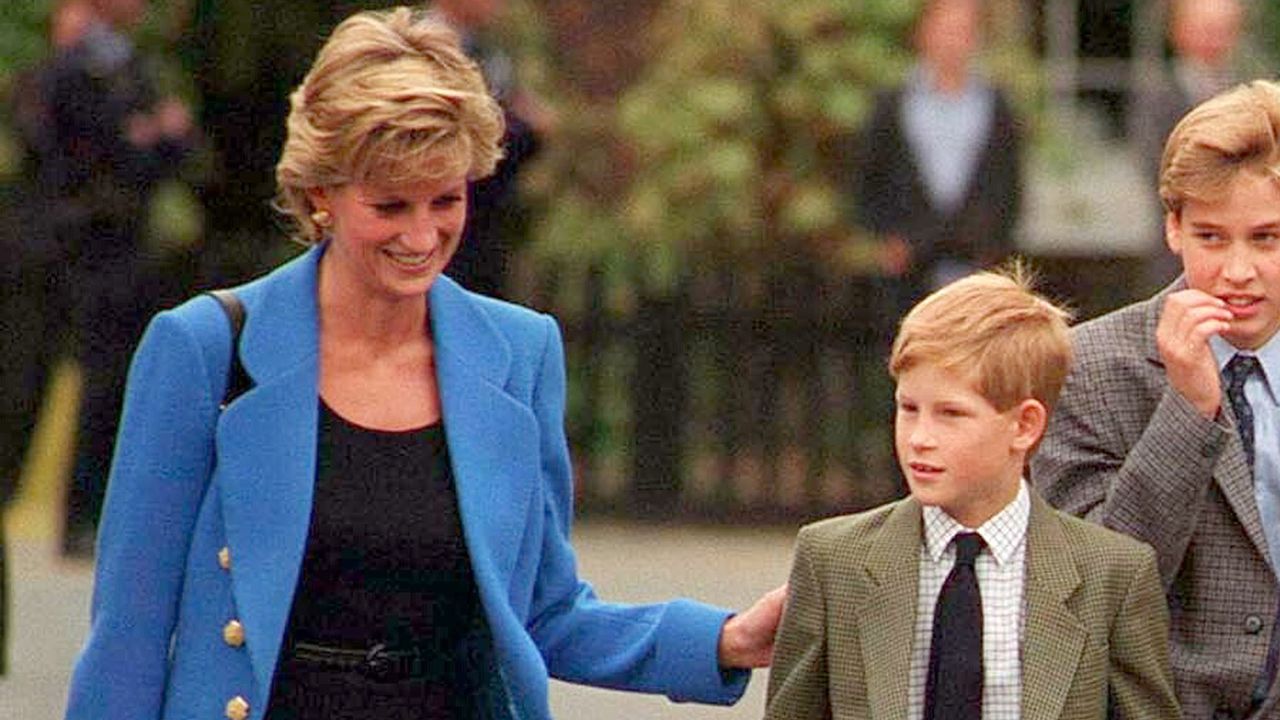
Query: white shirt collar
1268	356
1003	533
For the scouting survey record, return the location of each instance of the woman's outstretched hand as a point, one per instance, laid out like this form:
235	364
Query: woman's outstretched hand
746	641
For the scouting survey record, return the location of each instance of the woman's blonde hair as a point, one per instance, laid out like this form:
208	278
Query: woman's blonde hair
1230	132
995	328
392	99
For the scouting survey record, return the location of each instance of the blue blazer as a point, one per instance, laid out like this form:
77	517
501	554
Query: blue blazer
189	481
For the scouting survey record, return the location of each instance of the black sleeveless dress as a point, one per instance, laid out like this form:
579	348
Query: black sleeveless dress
386	591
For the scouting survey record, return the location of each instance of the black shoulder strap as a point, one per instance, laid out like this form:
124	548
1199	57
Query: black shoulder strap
237	379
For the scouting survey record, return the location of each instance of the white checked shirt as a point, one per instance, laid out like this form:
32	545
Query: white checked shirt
1001	569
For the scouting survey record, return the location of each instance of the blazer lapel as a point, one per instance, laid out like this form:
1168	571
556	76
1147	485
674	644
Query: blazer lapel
493	438
886	623
1231	473
266	447
1235	478
1054	637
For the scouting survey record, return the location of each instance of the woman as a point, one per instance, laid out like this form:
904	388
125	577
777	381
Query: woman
378	528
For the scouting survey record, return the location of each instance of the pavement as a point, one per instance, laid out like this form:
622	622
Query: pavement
728	566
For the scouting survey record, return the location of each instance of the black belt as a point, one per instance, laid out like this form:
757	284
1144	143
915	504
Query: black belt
378	662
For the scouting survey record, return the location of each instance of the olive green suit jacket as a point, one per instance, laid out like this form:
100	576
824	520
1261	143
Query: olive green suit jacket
1096	624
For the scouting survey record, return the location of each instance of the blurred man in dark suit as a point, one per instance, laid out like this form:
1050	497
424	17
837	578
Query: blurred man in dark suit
110	138
481	261
938	169
1208	58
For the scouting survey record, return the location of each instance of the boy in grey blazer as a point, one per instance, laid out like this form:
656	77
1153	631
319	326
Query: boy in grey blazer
1164	435
1069	624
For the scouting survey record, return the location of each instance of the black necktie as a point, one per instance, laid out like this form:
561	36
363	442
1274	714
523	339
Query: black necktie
1236	372
953	687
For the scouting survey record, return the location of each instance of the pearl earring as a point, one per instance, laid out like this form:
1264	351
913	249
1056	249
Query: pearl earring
322	218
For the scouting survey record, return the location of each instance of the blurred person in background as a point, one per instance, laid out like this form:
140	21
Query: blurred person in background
937	175
379	526
1208	58
110	138
34	291
68	21
1205	38
481	261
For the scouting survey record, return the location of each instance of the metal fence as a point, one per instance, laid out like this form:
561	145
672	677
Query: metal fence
763	402
721	401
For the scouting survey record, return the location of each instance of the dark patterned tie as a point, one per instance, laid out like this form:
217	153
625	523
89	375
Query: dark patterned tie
1236	373
953	687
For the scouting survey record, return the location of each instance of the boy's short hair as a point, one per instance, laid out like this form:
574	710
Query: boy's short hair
1236	130
996	328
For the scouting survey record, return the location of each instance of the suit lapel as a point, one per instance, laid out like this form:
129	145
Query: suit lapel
1054	638
1231	473
266	454
493	438
886	622
266	444
1235	479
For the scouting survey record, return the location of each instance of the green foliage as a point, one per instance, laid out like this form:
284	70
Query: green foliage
524	34
1268	28
22	30
22	44
731	140
175	219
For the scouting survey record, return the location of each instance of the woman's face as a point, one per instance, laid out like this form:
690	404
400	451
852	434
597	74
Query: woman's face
393	241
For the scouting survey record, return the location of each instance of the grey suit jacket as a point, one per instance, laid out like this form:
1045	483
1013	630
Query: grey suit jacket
1095	626
1125	450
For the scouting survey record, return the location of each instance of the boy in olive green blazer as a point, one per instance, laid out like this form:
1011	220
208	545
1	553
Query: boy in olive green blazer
1065	619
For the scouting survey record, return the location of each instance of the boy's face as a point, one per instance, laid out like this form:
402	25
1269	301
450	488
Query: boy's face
956	450
1230	248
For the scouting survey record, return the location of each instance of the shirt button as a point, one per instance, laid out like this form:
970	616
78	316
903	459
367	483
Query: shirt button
224	558
237	708
1253	624
233	633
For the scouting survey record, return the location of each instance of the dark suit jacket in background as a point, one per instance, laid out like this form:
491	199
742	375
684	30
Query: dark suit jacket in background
1126	450
891	197
494	212
1167	102
1095	627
